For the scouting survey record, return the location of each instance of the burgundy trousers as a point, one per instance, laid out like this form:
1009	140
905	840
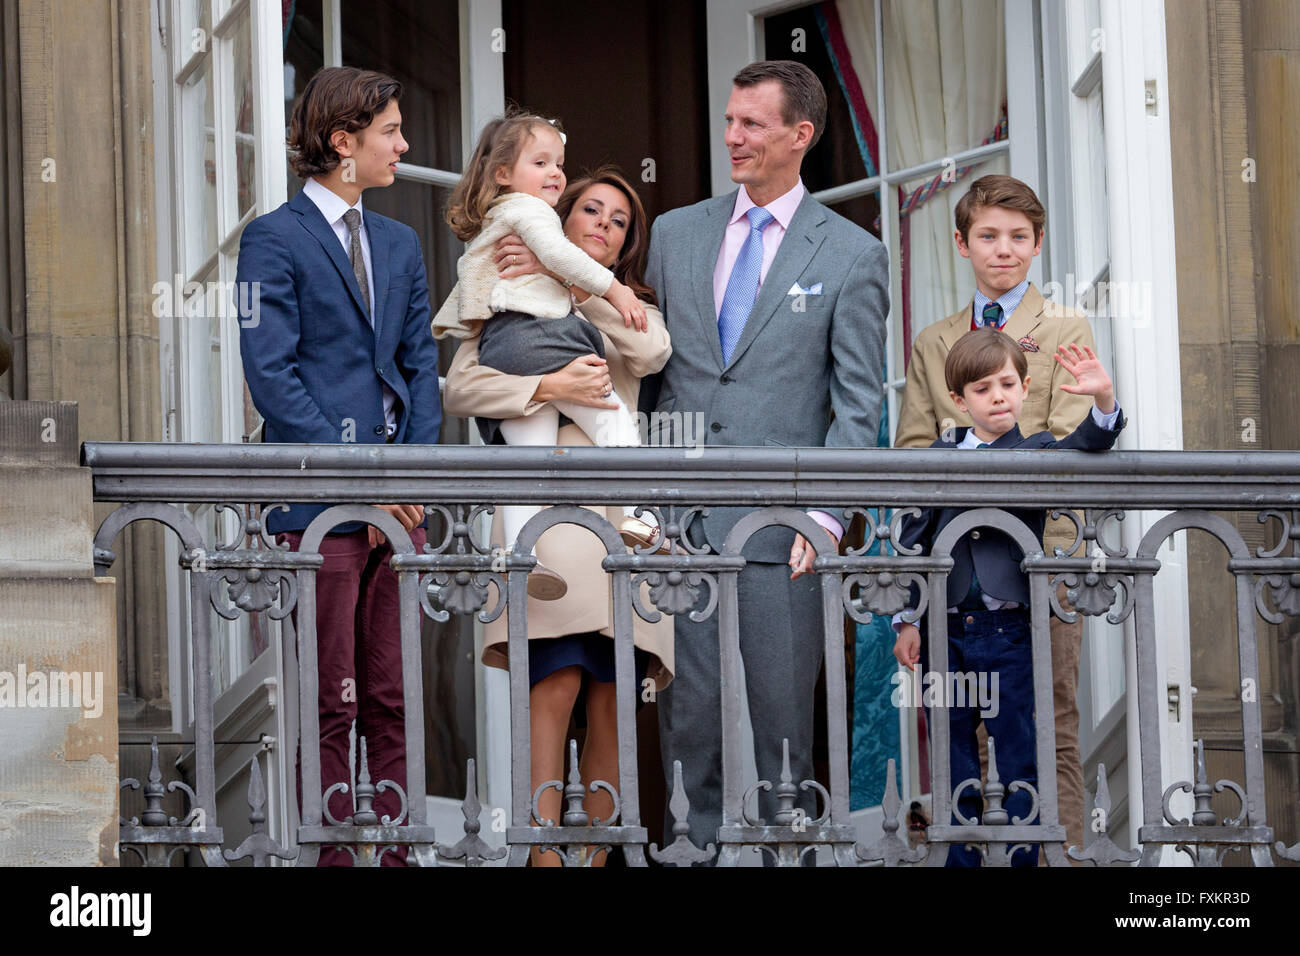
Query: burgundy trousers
359	659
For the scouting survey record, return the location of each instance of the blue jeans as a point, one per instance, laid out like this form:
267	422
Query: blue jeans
989	643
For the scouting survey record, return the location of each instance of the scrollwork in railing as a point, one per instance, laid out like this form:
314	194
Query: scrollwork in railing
675	591
1091	588
995	852
155	836
1208	852
582	847
1277	572
465	568
883	594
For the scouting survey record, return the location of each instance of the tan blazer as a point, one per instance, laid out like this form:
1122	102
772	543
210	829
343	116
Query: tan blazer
927	405
474	389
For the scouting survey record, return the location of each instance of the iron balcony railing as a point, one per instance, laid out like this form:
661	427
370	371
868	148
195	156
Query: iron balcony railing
460	483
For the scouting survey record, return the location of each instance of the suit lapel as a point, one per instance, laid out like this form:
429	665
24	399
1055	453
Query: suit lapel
312	220
955	326
1028	315
378	234
708	244
798	246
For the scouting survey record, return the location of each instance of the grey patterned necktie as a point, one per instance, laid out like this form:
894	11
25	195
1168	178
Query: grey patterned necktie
353	220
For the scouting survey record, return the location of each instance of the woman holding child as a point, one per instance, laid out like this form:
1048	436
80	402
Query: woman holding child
571	661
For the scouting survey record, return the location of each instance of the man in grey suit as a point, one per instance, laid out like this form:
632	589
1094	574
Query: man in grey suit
777	310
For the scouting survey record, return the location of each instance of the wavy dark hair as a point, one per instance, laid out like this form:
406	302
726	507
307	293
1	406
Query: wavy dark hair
337	97
629	268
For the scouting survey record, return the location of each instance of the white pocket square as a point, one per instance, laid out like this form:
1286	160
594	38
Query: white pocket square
797	289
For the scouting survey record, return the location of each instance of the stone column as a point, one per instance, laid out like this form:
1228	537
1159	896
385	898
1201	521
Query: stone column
58	650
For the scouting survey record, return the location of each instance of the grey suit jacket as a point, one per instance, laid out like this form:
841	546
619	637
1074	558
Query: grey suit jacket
808	370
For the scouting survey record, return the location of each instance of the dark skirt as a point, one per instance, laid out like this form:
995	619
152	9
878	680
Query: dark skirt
520	344
593	652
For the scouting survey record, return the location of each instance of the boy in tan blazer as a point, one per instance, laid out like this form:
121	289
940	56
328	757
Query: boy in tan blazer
1000	230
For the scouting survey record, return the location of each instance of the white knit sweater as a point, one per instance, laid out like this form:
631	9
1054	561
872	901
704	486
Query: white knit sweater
480	292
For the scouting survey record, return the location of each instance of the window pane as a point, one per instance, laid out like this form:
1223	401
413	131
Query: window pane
945	77
418	44
1096	252
245	172
193	30
202	318
198	212
822	38
864	210
303	56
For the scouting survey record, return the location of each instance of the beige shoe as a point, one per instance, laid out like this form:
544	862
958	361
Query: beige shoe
635	532
545	584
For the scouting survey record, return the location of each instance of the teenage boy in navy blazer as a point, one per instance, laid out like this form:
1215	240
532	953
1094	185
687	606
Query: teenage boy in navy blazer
342	352
988	593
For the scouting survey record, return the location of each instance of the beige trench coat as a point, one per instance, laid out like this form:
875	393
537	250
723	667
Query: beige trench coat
473	389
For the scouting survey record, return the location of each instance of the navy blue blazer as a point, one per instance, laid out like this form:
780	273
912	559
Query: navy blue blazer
996	556
314	365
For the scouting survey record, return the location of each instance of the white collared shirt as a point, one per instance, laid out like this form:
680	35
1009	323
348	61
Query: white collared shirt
332	206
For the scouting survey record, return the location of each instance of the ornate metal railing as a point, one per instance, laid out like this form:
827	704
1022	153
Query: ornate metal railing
254	574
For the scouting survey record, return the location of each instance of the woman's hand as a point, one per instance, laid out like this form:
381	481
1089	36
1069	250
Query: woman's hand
514	259
584	381
628	305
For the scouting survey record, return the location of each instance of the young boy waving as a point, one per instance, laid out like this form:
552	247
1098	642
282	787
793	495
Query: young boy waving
988	594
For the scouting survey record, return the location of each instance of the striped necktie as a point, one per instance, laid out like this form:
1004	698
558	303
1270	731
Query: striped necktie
992	315
742	287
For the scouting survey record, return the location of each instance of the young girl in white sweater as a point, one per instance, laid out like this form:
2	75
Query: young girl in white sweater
527	325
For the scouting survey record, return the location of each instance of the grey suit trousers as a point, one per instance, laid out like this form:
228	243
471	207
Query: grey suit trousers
781	644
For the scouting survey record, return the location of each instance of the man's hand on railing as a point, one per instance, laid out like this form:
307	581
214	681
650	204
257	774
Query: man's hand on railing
409	515
802	555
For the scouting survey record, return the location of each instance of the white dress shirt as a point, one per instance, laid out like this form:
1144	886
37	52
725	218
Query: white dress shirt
332	206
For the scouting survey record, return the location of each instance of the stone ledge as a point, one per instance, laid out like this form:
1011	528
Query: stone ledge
39	433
